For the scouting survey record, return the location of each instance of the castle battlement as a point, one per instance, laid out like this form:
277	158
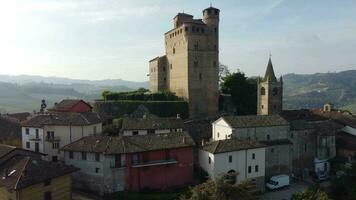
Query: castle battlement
189	67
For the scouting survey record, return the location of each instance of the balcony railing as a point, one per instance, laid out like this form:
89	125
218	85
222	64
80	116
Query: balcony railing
155	162
53	139
34	138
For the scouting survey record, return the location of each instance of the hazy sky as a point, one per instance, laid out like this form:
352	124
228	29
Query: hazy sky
99	39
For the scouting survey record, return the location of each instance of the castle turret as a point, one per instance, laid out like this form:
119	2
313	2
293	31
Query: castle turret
211	16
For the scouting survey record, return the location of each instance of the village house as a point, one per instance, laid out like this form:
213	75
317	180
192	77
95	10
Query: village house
48	132
140	162
144	126
245	159
271	130
26	177
71	105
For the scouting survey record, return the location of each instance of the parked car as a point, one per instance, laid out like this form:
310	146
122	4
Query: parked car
279	181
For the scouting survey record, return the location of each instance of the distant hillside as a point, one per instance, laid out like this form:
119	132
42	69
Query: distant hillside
24	93
311	91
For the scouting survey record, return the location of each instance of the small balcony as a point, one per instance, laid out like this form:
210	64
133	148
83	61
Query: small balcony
53	139
34	138
155	163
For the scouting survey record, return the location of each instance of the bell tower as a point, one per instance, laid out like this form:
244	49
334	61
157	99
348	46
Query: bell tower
269	93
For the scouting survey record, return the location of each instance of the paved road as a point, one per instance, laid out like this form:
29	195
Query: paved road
286	193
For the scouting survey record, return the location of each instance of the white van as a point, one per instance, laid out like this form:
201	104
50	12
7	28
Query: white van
279	181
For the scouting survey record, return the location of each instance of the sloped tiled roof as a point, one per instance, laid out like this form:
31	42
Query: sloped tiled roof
9	128
63	119
302	114
255	121
151	123
67	104
229	145
28	171
5	149
130	144
340	116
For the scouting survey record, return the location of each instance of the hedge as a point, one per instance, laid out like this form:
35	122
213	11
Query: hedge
140	95
121	108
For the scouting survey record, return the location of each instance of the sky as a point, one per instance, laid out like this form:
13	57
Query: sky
111	39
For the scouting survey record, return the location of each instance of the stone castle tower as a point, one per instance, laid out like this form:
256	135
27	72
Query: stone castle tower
190	66
269	93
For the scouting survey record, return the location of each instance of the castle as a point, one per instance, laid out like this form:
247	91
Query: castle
190	67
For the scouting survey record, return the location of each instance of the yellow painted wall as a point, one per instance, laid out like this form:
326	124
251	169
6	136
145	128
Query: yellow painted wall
60	187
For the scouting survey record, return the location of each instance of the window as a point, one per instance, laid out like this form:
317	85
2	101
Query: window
174	50
272	150
28	145
71	156
55	145
195	63
48	195
186	29
171	66
275	91
84	155
193	29
256	168
291	135
209	160
135	158
200	76
97	170
50	135
120	160
305	148
263	91
218	134
268	137
47	182
249	169
215	47
27	131
253	156
230	159
215	30
262	106
37	147
134	132
97	157
37	133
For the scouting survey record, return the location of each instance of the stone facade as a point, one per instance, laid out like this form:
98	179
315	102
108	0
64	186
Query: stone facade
269	93
190	66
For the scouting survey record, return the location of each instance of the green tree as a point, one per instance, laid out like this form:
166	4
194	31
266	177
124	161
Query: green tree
243	91
223	72
221	189
310	195
344	186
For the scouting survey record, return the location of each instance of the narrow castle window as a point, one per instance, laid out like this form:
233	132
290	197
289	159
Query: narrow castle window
275	92
263	91
200	77
181	30
164	68
216	30
186	29
216	12
174	50
171	66
214	64
195	63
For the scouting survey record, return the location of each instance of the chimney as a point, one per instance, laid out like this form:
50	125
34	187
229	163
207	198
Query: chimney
178	116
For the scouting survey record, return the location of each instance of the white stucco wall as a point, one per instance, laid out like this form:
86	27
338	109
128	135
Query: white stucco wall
221	130
241	160
32	134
